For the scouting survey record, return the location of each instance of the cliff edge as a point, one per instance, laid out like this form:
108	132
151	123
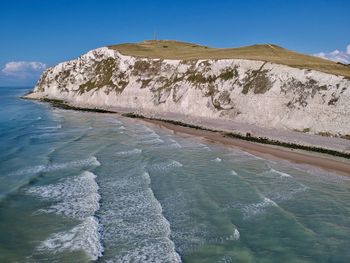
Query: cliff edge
262	85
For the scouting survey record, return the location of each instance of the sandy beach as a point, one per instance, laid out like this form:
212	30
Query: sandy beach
326	162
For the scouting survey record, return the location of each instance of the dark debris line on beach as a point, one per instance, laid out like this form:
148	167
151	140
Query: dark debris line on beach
248	137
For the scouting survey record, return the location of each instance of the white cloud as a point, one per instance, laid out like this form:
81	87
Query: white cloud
336	55
23	69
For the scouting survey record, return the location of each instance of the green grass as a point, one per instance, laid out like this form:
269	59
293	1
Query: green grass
169	49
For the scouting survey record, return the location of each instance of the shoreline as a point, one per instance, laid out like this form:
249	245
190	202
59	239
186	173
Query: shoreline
262	146
247	137
277	152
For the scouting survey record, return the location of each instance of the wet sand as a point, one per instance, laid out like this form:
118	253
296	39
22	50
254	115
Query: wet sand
324	161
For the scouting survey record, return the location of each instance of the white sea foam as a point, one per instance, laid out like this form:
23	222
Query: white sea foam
121	128
150	253
226	259
284	186
51	127
43	135
242	155
29	170
233	172
147	129
218	160
257	208
174	144
171	144
92	161
152	141
282	174
146	178
117	122
76	197
130	152
85	236
167	165
236	235
132	218
149	135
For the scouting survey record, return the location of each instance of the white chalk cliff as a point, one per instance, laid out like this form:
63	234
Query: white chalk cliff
247	91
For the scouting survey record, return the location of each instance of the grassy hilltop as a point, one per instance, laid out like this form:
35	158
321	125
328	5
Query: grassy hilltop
170	49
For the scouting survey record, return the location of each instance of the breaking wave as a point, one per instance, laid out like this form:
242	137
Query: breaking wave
130	152
92	161
282	174
50	127
77	198
132	218
164	166
85	236
174	144
233	172
285	186
257	208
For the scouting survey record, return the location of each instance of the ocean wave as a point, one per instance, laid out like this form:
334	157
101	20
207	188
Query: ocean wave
217	160
236	235
163	166
239	155
151	141
149	135
321	174
233	172
85	236
257	208
284	185
50	127
117	121
76	197
41	136
133	219
129	152
174	144
92	161
150	253
282	174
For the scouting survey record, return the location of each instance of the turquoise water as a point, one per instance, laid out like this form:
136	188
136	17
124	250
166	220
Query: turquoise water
80	187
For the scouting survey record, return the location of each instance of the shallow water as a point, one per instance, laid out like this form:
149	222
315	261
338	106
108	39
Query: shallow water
79	187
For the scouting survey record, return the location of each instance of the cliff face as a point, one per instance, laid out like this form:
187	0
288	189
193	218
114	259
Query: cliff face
254	92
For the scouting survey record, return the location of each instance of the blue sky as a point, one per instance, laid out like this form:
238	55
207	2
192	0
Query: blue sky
40	33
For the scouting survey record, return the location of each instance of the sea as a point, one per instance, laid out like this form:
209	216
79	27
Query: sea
95	187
